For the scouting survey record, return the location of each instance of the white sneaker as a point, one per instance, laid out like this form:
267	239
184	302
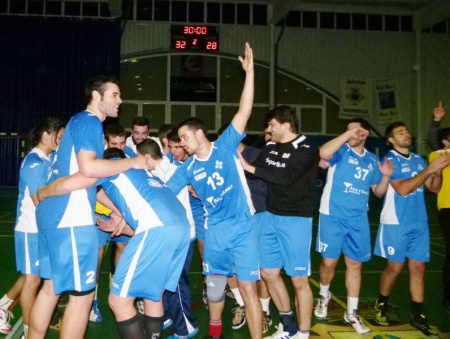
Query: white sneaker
281	334
321	309
5	316
355	320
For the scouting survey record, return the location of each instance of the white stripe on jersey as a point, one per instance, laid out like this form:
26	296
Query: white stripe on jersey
388	215
326	194
76	267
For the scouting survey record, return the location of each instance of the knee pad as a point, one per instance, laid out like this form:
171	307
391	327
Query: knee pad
215	287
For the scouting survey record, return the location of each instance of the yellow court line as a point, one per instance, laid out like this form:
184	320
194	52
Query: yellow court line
344	306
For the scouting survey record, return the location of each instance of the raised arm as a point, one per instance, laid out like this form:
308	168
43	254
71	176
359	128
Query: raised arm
246	103
438	113
406	186
386	170
329	148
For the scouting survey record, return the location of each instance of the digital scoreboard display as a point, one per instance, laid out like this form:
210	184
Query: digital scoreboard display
189	37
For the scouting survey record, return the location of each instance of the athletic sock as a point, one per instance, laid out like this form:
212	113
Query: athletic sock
25	331
352	304
416	308
215	328
324	290
153	326
131	328
96	289
237	296
5	302
288	321
383	299
265	305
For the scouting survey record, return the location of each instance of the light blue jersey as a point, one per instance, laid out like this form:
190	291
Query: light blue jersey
411	208
349	180
144	200
34	172
219	182
83	132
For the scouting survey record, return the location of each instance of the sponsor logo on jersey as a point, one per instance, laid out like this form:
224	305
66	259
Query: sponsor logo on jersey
199	170
275	163
286	155
34	165
254	272
273	152
306	146
350	189
219	164
200	176
406	170
154	183
352	160
214	201
301	268
370	167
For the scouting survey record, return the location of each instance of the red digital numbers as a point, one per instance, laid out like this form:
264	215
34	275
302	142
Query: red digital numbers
180	44
200	30
211	45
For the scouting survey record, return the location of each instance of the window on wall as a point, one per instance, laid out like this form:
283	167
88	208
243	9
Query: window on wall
327	20
162	10
72	8
392	23
228	13
90	9
259	15
213	12
207	114
144	10
309	19
35	7
196	12
243	14
17	7
155	113
127	113
179	11
293	19
343	21
359	21
375	22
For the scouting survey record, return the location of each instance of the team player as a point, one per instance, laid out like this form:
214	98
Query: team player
115	136
34	171
443	204
68	249
140	131
402	234
288	164
344	226
218	179
157	220
176	303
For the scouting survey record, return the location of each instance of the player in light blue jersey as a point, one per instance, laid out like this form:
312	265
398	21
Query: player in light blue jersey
157	250
217	176
68	249
344	227
34	172
403	232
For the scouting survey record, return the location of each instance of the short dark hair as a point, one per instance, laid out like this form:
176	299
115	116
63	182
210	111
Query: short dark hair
388	131
194	124
284	114
443	134
362	122
140	121
98	83
113	152
149	147
173	135
114	130
163	130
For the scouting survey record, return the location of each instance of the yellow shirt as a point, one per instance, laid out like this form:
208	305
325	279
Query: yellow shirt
100	209
443	200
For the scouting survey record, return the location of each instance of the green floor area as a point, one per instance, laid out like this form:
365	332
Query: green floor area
332	328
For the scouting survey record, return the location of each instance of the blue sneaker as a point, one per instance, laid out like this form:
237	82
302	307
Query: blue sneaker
167	323
190	335
95	316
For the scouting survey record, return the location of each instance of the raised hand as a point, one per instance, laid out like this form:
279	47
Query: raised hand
439	112
386	168
247	62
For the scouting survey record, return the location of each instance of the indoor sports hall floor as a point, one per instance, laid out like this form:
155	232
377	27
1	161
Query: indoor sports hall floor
332	328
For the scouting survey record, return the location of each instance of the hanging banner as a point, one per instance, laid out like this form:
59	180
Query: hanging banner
356	98
386	100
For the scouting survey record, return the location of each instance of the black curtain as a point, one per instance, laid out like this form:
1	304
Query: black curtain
44	65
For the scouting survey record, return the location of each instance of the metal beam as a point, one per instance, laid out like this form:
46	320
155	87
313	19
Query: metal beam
432	14
277	9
